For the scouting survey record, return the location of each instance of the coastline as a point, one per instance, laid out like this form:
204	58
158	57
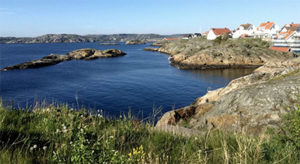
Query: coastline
250	103
241	53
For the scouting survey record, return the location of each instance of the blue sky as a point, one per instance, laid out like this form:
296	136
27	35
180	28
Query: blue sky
38	17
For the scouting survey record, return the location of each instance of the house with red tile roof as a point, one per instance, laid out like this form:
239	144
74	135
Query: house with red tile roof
291	27
244	30
289	36
215	32
266	30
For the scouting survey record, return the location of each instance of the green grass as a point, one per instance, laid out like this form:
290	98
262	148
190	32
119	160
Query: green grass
58	134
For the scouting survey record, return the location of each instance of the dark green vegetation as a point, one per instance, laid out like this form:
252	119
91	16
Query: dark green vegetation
58	134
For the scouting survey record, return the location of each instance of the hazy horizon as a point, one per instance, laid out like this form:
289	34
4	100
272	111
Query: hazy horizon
33	18
90	34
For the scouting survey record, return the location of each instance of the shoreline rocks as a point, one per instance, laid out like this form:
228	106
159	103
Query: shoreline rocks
248	104
150	49
81	54
134	42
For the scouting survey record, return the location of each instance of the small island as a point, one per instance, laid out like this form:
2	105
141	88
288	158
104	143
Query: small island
105	44
81	54
150	49
133	42
200	53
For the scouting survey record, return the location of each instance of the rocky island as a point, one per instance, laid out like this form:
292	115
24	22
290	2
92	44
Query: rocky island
109	44
133	42
200	53
81	54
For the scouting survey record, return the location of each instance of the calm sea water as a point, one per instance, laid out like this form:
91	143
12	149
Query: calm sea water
138	81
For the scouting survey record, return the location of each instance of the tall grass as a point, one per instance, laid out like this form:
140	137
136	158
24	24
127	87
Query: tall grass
58	134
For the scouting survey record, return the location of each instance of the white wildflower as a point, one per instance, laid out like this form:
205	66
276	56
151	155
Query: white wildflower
44	147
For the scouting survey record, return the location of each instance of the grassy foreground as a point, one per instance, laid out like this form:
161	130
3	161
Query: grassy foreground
58	134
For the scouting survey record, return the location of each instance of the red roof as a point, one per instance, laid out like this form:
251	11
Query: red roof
294	25
289	33
281	49
266	25
221	31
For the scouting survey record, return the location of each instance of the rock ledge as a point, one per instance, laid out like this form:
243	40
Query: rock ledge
81	54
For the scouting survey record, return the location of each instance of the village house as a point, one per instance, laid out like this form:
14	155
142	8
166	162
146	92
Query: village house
215	32
266	30
291	27
289	36
187	36
244	30
195	35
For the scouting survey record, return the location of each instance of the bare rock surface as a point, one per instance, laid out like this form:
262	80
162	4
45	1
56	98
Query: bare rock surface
150	49
199	53
81	54
250	103
133	42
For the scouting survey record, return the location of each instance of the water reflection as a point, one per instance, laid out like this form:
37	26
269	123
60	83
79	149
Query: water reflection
212	76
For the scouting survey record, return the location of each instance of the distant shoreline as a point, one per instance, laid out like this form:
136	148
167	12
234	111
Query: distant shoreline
73	38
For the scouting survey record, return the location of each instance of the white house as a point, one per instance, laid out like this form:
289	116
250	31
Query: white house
266	30
215	32
292	26
289	36
244	30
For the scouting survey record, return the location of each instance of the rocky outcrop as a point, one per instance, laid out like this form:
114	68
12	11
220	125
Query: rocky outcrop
150	49
199	53
81	54
133	42
158	43
250	103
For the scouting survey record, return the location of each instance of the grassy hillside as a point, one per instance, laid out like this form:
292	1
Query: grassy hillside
58	134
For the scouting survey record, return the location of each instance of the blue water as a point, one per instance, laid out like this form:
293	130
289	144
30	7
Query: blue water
135	82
